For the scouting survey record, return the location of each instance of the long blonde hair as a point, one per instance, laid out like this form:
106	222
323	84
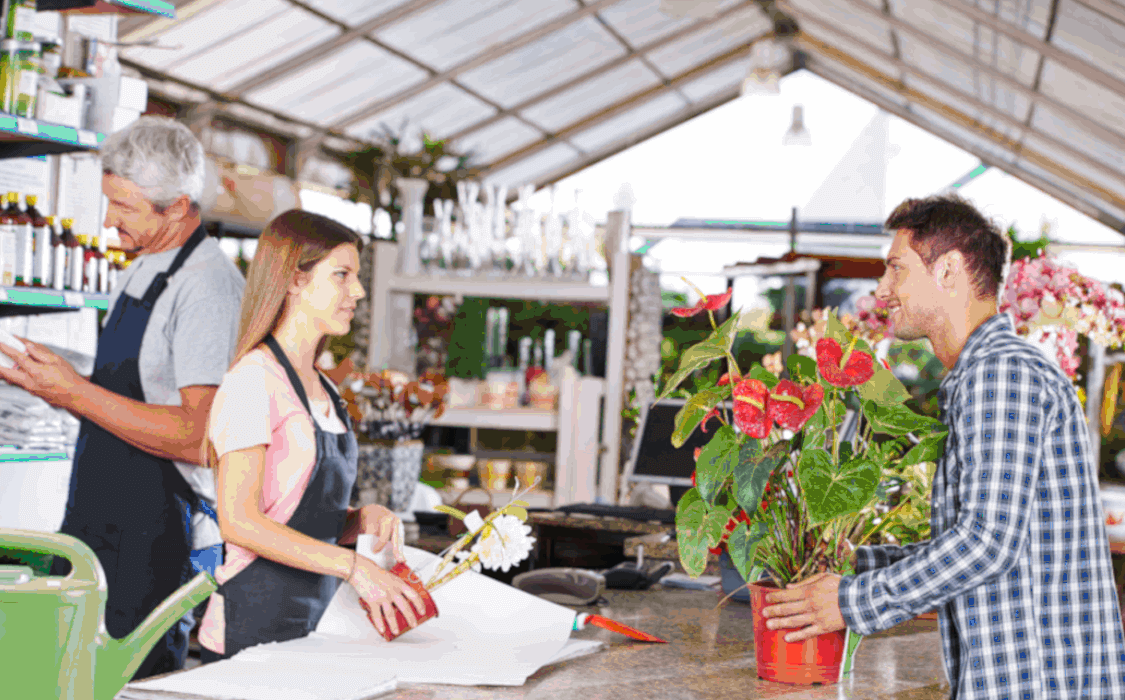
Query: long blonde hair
294	242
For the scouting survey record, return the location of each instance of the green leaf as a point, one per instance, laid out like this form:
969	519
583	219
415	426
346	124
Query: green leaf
883	387
830	492
764	376
696	357
801	368
449	510
691	540
716	463
725	334
753	471
714	523
743	545
693	411
520	513
929	449
897	419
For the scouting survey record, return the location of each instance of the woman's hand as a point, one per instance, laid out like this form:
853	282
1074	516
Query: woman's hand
382	592
385	526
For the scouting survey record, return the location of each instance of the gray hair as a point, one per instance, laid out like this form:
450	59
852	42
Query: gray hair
159	155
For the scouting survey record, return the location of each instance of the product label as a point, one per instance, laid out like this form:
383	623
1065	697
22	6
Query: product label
90	284
27	126
7	256
24	247
41	268
27	82
103	276
73	299
58	268
87	138
24	22
75	269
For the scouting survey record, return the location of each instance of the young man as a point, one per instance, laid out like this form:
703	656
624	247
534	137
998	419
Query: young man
1018	562
135	488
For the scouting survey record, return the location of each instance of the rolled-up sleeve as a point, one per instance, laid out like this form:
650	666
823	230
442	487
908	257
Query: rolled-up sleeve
1000	425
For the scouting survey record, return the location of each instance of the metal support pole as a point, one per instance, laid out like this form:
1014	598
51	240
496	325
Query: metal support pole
1095	382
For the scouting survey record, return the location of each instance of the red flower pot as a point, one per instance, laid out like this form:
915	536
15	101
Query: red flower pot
405	573
812	661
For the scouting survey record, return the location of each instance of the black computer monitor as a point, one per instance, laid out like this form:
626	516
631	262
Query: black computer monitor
654	458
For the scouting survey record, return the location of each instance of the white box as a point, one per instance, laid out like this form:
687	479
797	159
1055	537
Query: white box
123	117
60	109
132	94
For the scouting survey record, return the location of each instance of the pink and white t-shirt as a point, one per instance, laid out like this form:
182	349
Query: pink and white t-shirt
257	405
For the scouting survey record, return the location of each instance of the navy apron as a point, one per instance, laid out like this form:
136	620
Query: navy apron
127	505
273	602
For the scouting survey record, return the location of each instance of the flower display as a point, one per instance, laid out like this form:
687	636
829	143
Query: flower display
841	367
791	406
751	397
874	317
707	302
805	335
392	406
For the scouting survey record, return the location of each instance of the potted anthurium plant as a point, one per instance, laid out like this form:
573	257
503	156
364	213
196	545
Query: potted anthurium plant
796	473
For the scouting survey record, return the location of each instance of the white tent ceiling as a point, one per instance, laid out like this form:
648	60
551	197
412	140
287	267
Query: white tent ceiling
539	89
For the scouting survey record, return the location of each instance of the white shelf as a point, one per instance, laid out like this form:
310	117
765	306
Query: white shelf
492	288
513	419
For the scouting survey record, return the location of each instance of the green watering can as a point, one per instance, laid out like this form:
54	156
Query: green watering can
53	640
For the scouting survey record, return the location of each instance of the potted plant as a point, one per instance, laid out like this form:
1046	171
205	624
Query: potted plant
797	472
391	411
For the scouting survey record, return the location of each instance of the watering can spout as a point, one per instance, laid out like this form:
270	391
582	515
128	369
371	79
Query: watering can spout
120	659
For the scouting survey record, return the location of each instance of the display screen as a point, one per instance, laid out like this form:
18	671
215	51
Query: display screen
655	457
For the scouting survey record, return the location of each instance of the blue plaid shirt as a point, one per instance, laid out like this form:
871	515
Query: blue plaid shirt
1018	562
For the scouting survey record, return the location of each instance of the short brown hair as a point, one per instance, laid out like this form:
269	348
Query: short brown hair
944	223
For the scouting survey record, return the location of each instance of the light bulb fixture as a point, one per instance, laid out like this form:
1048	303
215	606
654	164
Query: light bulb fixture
764	70
797	135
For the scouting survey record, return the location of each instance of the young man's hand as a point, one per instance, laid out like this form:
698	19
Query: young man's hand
812	605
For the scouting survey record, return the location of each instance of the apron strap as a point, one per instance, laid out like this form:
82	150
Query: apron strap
295	380
160	282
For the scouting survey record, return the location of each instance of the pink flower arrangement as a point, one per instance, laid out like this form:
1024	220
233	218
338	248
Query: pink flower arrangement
874	318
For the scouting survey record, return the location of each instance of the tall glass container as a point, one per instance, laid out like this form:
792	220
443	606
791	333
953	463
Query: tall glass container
24	84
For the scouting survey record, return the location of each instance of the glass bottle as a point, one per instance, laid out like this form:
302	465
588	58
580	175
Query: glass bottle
41	245
21	20
58	254
103	264
89	264
7	248
21	79
114	270
74	253
25	242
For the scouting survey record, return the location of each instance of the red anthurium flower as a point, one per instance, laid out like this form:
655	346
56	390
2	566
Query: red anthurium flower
695	456
725	379
751	401
711	302
703	424
716	550
693	478
790	407
842	369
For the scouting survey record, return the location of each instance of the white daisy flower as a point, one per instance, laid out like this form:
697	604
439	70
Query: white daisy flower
507	543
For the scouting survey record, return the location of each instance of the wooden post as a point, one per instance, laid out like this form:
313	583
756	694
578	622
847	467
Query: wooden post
1095	383
392	315
617	233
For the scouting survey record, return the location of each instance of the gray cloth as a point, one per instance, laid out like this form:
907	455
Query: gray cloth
189	341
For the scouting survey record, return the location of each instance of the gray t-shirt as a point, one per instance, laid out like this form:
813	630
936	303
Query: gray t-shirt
189	341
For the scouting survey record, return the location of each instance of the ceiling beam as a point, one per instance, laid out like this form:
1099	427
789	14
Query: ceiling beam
1095	128
691	112
921	76
1070	61
605	68
1106	7
321	50
1069	197
1013	148
373	107
628	103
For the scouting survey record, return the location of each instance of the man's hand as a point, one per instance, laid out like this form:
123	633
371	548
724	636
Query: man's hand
42	373
812	605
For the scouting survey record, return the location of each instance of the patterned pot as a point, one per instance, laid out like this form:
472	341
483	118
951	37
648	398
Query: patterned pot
387	474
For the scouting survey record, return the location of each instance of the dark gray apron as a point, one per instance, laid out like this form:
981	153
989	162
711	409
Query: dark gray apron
272	602
132	508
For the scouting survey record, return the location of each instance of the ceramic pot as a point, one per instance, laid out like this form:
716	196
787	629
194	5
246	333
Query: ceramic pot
405	573
813	661
387	474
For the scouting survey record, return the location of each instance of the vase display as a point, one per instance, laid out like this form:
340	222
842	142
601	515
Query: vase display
813	661
387	474
413	192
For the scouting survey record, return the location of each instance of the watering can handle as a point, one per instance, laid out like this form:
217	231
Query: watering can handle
84	564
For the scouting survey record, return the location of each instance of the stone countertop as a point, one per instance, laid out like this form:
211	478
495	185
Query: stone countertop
581	521
710	655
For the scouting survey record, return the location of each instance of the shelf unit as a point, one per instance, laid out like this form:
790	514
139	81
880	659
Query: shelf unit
10	455
586	465
23	301
22	138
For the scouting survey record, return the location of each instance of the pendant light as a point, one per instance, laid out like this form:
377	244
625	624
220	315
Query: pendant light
797	135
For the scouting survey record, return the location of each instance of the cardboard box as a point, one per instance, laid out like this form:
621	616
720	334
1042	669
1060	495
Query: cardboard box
60	109
132	94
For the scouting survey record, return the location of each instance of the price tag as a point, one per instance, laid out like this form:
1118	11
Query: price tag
27	126
73	299
3	295
87	138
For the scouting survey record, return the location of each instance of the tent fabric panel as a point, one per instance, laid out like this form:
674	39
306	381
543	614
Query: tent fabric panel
853	48
256	50
639	24
592	96
1079	166
355	12
626	123
1096	102
543	64
696	48
449	33
439	111
527	169
332	83
1109	208
715	82
841	13
1046	121
1092	37
498	140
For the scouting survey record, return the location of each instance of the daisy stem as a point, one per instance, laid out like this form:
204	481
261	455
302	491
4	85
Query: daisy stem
460	569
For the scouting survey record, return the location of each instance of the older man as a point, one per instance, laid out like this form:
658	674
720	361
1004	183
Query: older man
1018	561
163	350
